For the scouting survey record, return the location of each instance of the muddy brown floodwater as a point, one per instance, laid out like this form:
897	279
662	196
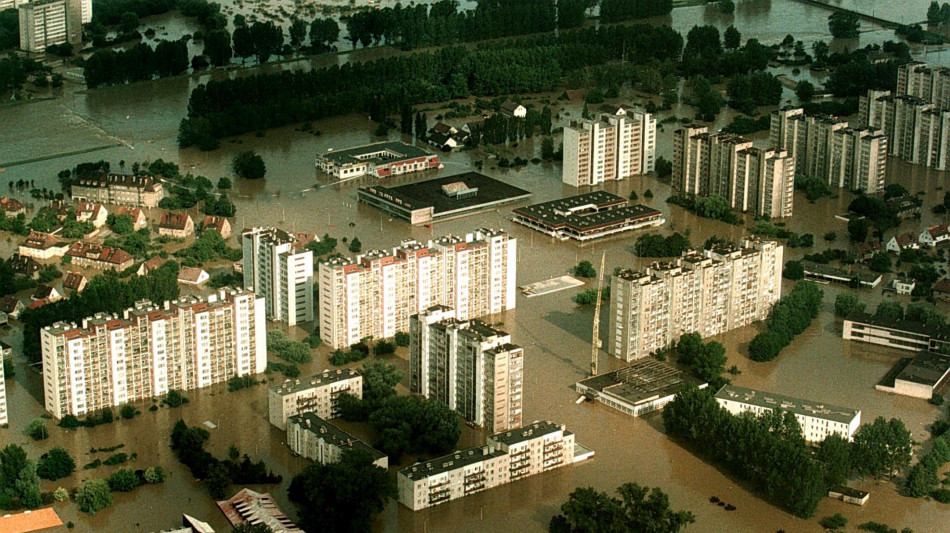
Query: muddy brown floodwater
139	123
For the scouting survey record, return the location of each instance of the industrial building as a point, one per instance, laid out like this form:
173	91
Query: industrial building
587	217
379	160
643	387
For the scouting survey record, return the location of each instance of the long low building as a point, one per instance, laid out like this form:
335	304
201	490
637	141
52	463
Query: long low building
379	160
817	420
506	457
442	198
316	394
900	334
586	217
819	272
918	377
643	387
315	438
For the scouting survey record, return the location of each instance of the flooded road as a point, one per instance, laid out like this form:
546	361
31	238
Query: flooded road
139	123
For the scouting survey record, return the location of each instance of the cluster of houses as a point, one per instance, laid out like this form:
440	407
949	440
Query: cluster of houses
446	137
929	237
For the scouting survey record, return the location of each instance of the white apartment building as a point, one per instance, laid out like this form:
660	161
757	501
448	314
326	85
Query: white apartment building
375	294
316	394
280	270
507	457
86	10
467	365
918	130
753	180
48	22
10	4
185	344
931	84
311	436
613	147
708	293
3	396
827	148
817	420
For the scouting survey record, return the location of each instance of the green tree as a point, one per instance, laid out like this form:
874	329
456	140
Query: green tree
846	303
129	22
298	32
355	245
880	262
858	229
354	488
37	430
224	183
154	474
793	270
249	165
844	25
585	269
174	398
889	311
834	453
217	46
732	39
804	91
637	509
933	14
55	464
837	521
882	448
94	495
123	480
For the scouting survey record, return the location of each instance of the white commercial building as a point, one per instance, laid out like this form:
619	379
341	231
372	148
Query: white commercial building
708	293
467	365
47	22
375	294
507	457
611	148
817	420
280	270
189	343
317	394
312	437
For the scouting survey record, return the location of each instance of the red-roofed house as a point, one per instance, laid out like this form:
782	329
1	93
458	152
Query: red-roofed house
102	257
74	282
45	292
43	246
12	207
138	216
35	520
11	305
94	214
192	276
934	235
150	265
941	290
904	241
176	224
219	224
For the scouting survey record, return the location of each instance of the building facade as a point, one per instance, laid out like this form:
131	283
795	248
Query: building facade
280	270
752	180
708	293
47	22
4	419
312	437
122	189
613	147
467	365
506	457
817	420
317	394
188	343
380	160
375	294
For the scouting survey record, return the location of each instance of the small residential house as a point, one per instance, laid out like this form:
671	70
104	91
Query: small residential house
443	142
43	246
616	110
904	241
867	249
94	214
192	276
150	265
45	292
91	255
903	285
941	290
74	281
934	235
7	350
23	265
219	224
11	305
60	208
12	207
905	206
138	216
512	109
444	129
176	224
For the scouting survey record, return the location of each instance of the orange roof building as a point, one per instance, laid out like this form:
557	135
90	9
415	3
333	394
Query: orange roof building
30	521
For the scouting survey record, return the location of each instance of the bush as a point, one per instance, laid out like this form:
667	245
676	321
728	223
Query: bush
401	339
154	474
837	521
128	411
70	422
241	382
60	494
175	398
584	269
249	165
94	495
116	459
123	480
36	430
55	464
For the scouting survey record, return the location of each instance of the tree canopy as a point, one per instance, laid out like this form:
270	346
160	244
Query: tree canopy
637	509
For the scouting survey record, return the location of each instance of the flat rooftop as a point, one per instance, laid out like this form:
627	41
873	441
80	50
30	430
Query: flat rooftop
797	406
393	150
450	462
332	434
531	431
926	368
585	211
645	380
934	332
430	193
840	273
34	520
290	386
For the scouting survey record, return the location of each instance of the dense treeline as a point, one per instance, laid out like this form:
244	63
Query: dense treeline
789	317
656	245
9	29
637	509
705	54
618	10
109	12
104	293
141	62
530	64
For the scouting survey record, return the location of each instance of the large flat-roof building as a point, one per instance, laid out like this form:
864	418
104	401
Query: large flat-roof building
379	160
506	457
122	189
467	365
709	293
588	216
817	420
818	271
188	343
375	294
279	269
643	387
900	334
315	394
614	147
313	437
443	198
918	377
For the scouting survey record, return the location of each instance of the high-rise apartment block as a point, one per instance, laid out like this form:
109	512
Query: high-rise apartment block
280	270
47	22
375	294
614	147
507	456
752	180
316	394
918	130
467	365
853	158
709	293
188	343
931	84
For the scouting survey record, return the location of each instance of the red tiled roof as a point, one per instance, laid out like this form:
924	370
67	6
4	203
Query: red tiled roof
30	521
11	204
106	254
174	220
73	280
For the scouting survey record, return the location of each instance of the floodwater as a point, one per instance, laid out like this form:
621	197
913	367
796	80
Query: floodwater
139	123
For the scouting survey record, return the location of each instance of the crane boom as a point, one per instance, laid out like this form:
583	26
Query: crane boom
595	338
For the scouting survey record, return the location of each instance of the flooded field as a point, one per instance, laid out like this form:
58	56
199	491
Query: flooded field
139	123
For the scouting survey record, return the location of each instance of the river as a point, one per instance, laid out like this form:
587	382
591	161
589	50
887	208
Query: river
138	123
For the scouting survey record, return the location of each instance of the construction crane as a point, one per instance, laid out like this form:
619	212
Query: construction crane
595	338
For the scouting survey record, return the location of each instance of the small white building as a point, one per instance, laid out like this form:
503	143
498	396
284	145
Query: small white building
192	276
818	420
512	109
94	214
904	241
316	394
903	285
934	235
